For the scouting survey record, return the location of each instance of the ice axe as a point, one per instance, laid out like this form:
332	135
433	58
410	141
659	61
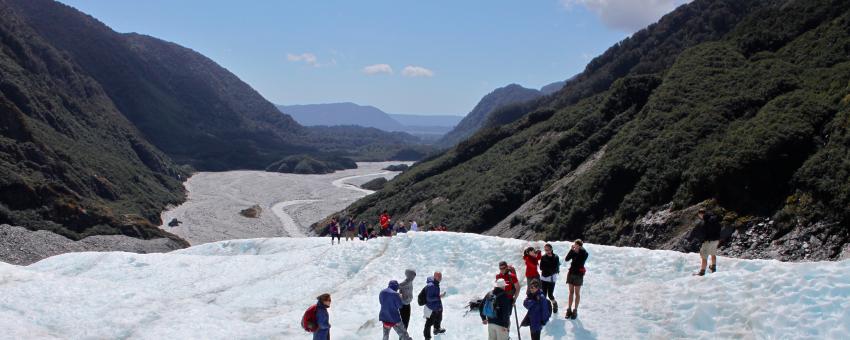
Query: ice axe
516	318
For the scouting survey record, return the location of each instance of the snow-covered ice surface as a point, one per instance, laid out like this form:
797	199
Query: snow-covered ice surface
258	289
290	202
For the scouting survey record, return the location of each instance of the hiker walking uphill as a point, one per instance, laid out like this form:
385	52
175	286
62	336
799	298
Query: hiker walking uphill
531	257
708	227
539	309
508	274
390	301
406	290
550	266
433	306
495	312
316	319
575	276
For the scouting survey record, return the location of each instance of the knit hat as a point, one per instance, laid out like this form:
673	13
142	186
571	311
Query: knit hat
500	283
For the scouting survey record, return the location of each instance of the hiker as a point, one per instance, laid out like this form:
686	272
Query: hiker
708	227
390	301
539	310
531	257
322	319
401	229
362	231
495	312
384	221
575	276
508	273
433	306
406	290
349	230
333	229
550	266
413	226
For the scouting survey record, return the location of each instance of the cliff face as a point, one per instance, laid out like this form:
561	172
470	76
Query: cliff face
741	107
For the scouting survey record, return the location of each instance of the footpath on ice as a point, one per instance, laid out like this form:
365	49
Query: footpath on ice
259	288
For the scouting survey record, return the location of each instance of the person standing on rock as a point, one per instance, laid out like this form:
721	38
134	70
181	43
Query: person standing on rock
433	306
406	290
495	312
333	229
708	226
391	303
531	257
550	266
575	276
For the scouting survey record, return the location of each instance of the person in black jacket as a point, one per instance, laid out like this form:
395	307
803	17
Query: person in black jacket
550	266
498	328
708	226
575	276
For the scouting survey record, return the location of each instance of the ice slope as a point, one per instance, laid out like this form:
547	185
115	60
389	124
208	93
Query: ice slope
257	289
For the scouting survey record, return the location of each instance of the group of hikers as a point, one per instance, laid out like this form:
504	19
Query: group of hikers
495	309
363	231
497	306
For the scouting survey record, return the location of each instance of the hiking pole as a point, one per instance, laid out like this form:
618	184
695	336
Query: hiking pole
516	318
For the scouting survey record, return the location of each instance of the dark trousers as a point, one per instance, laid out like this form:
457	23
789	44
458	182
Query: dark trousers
405	315
435	320
535	335
548	289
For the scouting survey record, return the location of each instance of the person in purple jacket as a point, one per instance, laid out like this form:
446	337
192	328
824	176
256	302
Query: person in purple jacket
390	315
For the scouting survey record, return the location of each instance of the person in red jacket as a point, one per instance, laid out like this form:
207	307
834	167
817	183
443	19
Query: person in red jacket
532	258
385	223
508	274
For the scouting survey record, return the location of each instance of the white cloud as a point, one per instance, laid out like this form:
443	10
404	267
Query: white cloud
627	15
309	59
416	71
378	69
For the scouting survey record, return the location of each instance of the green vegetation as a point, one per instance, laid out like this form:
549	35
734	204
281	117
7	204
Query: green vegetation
375	184
743	104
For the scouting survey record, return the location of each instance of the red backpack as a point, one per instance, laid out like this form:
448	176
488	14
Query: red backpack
308	321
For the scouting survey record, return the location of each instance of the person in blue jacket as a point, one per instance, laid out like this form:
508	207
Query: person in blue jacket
433	306
539	309
390	315
322	318
362	231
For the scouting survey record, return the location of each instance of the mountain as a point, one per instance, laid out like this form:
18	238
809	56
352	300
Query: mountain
553	87
512	94
256	283
70	162
98	129
341	114
738	107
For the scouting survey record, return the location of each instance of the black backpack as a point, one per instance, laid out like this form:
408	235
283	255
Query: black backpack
420	299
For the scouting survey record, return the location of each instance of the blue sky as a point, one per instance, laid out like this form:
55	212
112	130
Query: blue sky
422	57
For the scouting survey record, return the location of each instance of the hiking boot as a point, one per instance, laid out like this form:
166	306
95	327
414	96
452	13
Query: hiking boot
700	273
575	314
439	331
554	307
712	268
569	313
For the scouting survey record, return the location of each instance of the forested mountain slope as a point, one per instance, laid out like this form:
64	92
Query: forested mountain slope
741	107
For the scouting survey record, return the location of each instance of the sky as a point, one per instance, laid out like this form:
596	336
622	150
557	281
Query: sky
414	57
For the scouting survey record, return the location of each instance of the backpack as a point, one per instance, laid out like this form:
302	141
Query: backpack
420	299
489	306
308	320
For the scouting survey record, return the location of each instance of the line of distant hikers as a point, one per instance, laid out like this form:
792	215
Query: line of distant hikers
541	275
386	227
495	309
